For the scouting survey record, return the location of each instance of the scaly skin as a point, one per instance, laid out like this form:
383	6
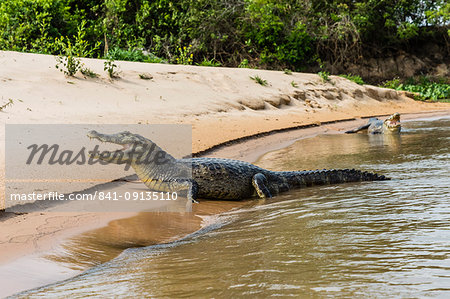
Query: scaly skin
390	125
214	178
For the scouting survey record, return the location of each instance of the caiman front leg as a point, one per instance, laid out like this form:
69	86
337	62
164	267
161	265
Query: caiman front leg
192	191
259	182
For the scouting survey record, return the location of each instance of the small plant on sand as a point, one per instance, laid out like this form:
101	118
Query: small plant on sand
68	64
259	80
110	67
287	71
9	103
88	72
324	75
294	84
355	78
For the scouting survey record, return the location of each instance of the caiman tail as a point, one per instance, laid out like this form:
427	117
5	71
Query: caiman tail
298	179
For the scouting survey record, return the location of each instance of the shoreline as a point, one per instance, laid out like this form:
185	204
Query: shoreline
76	226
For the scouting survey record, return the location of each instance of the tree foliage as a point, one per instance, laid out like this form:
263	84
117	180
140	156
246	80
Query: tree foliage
255	33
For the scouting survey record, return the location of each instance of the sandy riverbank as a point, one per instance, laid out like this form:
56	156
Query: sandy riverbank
221	104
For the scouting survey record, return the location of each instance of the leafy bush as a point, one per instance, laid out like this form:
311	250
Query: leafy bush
392	84
33	25
127	55
132	55
274	34
355	78
68	61
267	30
424	87
244	64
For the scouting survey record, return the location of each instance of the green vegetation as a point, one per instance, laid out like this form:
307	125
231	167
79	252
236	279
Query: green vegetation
210	62
7	104
424	87
259	80
88	72
184	55
69	53
294	84
275	34
69	65
324	75
111	68
133	55
244	64
355	78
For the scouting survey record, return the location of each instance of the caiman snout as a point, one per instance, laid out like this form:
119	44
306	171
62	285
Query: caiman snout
92	134
392	123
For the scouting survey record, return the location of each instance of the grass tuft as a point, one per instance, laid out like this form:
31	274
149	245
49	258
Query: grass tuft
88	72
259	80
7	104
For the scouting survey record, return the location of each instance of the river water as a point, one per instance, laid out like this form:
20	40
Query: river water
370	239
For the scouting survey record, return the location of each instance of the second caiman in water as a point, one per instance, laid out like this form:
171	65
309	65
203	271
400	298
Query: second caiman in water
378	126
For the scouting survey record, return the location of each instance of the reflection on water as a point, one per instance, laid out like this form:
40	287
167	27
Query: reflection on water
371	239
145	229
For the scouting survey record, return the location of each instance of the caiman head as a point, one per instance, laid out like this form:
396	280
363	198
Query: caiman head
392	123
135	149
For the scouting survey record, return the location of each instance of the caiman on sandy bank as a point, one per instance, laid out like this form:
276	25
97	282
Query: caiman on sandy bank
213	178
377	126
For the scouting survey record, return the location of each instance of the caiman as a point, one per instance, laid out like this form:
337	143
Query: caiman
213	178
378	126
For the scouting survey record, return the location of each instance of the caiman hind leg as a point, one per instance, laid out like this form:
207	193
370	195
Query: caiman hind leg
259	182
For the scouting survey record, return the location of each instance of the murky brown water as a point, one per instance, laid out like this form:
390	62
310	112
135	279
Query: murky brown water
372	239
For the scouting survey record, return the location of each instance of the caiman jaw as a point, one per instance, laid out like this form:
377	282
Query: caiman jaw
105	138
393	122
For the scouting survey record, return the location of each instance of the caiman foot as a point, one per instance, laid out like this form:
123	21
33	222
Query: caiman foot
259	182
